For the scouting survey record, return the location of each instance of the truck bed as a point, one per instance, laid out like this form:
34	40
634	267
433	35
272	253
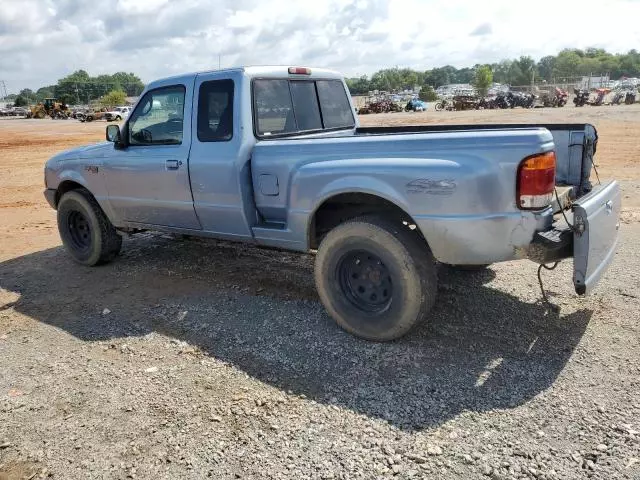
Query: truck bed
575	145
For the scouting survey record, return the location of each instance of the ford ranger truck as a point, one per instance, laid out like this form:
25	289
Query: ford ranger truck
274	156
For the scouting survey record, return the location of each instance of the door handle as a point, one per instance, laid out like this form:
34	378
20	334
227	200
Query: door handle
173	164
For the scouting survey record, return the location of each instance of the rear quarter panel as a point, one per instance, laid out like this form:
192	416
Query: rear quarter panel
450	183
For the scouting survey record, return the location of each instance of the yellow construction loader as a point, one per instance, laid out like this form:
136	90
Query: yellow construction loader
51	107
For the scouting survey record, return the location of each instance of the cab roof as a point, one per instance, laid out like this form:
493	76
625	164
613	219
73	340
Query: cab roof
262	71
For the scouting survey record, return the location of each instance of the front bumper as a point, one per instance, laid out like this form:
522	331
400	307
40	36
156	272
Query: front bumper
50	195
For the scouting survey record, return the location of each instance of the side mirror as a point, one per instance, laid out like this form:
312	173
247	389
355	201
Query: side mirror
113	134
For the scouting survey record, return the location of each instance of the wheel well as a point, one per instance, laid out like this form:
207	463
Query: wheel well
65	187
345	206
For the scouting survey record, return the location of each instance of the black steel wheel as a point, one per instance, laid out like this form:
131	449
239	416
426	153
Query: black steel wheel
79	230
365	280
376	277
85	230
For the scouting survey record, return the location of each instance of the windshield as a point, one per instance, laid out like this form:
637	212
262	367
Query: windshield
287	107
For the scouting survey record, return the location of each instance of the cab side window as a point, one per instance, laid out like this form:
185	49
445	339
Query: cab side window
159	117
215	111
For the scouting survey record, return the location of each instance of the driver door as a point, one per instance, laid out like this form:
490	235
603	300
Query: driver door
148	181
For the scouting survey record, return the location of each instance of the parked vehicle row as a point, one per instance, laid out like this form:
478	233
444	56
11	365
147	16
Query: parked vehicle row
115	115
14	112
629	97
476	102
383	105
583	97
557	98
52	108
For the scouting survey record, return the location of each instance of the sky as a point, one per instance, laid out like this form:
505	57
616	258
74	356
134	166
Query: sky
44	40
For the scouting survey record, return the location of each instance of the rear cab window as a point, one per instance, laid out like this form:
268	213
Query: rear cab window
288	107
215	111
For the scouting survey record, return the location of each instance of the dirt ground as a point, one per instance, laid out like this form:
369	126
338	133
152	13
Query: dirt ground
196	359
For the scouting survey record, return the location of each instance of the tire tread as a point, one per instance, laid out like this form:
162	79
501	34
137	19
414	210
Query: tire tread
111	242
421	257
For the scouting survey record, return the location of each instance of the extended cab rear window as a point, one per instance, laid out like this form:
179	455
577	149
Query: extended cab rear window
289	107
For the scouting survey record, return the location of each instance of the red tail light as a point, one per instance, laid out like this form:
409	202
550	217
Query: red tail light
299	71
536	181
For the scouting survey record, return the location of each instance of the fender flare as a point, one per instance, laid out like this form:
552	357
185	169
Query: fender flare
354	184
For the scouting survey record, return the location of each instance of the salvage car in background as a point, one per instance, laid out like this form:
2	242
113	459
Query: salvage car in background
415	105
117	114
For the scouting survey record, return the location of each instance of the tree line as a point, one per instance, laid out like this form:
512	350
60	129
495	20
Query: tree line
81	88
522	71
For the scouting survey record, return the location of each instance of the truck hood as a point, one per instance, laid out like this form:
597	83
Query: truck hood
97	150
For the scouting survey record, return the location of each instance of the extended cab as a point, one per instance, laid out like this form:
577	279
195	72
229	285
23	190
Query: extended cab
274	156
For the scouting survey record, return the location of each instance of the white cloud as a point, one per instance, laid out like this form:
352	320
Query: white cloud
43	40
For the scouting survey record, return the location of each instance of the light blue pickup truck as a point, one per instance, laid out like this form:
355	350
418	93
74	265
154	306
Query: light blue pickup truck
274	156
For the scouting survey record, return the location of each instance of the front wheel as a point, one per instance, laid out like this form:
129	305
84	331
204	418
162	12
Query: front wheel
85	230
376	277
438	106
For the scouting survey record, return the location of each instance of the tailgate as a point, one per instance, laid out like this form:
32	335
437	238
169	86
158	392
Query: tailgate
596	218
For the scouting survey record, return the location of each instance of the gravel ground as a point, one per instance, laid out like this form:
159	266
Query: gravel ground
192	359
195	359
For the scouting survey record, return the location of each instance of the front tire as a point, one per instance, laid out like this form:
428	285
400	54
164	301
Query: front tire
375	277
85	230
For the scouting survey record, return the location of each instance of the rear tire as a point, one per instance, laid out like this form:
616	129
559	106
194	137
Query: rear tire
375	277
85	230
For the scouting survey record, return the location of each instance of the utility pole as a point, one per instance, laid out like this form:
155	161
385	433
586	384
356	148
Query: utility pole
219	56
3	92
533	78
